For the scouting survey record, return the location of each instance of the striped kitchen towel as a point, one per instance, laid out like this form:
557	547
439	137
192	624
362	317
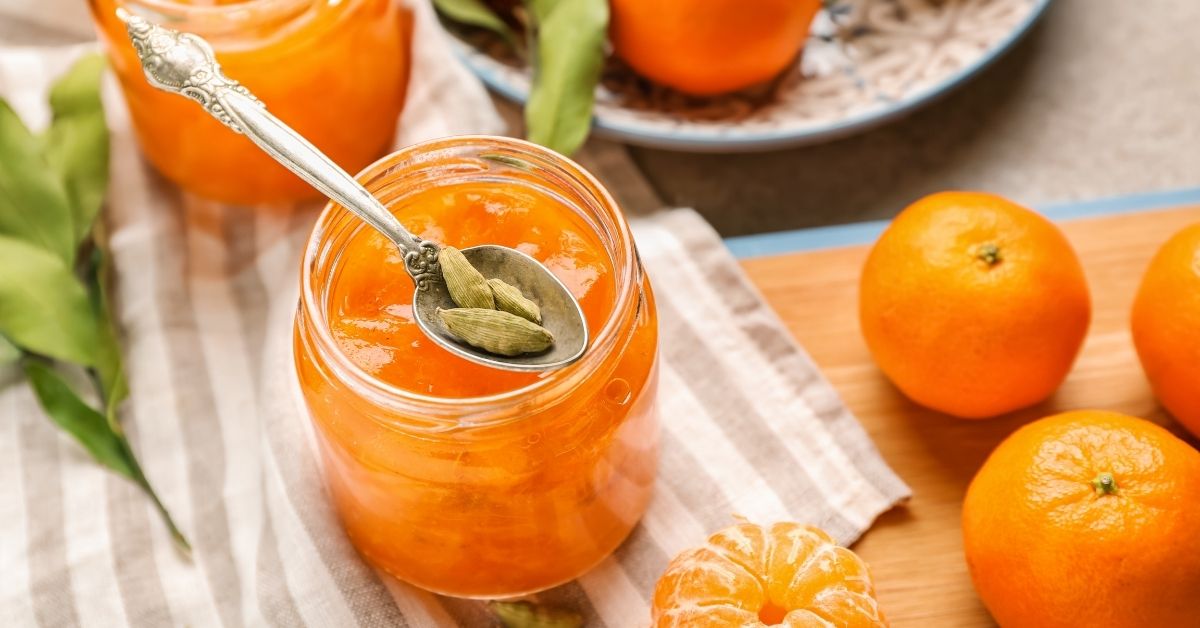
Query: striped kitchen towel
206	295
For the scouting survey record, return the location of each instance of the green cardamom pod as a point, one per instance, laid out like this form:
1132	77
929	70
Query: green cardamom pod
495	331
509	299
466	285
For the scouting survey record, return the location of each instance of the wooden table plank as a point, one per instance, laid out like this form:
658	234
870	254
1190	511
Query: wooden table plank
916	551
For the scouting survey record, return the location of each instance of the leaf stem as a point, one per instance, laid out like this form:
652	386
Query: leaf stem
140	479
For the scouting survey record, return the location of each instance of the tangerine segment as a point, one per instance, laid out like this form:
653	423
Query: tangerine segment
749	575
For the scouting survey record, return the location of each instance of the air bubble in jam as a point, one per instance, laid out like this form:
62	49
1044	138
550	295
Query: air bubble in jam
618	391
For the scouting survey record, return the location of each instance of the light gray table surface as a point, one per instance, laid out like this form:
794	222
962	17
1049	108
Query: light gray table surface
1098	101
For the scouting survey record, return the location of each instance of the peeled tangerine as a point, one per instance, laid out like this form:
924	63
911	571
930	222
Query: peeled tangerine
748	575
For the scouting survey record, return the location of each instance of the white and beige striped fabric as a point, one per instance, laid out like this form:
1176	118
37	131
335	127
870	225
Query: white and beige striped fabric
206	295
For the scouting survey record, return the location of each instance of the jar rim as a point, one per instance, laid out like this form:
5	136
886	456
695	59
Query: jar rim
627	277
167	7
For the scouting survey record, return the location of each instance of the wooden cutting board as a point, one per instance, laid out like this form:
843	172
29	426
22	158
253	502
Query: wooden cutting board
915	551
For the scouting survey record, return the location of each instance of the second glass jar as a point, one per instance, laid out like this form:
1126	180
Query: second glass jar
334	70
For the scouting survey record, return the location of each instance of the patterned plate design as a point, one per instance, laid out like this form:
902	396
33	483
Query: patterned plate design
866	62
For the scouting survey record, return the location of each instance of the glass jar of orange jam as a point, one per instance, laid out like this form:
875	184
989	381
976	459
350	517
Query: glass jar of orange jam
458	478
334	70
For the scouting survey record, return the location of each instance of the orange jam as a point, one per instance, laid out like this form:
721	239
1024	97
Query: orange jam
455	477
334	70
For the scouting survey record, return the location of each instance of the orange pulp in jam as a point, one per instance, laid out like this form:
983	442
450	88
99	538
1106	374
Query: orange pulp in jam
371	313
505	507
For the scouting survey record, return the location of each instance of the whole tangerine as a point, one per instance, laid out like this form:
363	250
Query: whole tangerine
973	305
708	47
753	576
1166	326
1087	518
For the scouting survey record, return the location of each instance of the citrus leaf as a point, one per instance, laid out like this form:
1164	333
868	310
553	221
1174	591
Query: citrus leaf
570	54
34	205
9	352
94	432
110	375
44	308
76	144
478	14
526	615
78	419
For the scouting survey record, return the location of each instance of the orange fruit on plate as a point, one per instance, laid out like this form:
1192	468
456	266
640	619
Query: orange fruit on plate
708	47
1166	326
750	576
973	305
1087	518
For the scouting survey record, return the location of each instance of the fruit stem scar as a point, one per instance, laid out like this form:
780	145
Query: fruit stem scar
990	253
1104	484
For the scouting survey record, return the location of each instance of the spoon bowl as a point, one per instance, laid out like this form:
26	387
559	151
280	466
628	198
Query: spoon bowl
182	63
531	278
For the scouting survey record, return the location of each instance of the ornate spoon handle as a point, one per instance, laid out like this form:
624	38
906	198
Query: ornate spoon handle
184	64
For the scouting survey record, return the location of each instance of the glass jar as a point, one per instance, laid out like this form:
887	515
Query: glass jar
536	480
334	70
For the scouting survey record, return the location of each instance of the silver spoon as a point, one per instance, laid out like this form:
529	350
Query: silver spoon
183	63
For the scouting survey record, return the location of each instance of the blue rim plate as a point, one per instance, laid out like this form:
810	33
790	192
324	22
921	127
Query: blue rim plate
868	62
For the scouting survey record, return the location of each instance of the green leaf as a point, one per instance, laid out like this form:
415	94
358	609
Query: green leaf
34	205
44	308
94	432
69	412
478	14
110	375
570	56
9	352
526	615
76	144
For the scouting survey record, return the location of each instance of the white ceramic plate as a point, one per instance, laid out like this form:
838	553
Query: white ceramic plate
867	62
